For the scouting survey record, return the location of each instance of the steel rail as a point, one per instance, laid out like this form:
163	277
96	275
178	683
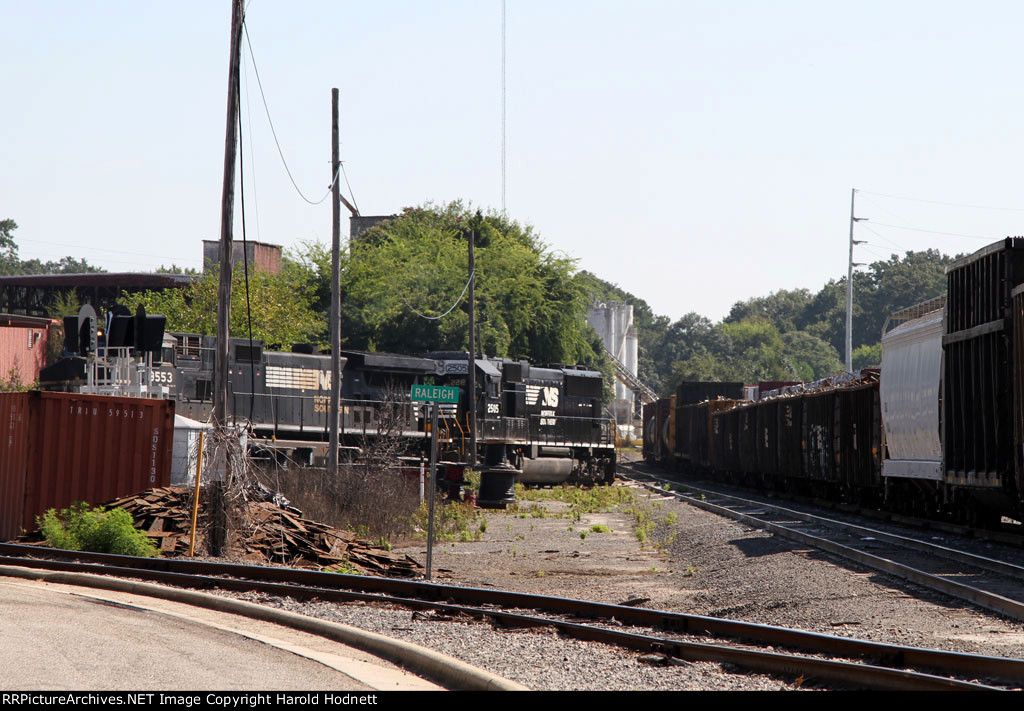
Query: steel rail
981	598
334	586
978	561
795	666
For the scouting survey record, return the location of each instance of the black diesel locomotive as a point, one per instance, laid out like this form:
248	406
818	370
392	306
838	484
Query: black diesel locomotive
548	420
938	431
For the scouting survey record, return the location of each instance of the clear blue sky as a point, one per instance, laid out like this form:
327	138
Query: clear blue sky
694	153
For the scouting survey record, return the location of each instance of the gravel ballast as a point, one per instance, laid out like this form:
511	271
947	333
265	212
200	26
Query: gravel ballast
691	561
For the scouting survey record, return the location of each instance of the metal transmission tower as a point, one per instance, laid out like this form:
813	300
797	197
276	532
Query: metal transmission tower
849	285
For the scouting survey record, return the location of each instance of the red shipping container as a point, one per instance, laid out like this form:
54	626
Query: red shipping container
59	448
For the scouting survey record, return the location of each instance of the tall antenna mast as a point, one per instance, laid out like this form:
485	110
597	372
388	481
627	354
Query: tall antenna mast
503	107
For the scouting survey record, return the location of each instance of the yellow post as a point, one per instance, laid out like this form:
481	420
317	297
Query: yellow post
195	497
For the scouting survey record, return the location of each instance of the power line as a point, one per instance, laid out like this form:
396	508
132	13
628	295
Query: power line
24	240
888	212
884	238
259	83
941	202
343	172
252	151
457	302
935	232
503	113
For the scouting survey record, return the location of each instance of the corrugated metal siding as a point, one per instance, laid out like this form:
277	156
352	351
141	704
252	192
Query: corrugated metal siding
13	462
858	457
911	379
978	410
747	438
978	366
17	356
768	437
791	443
820	436
70	447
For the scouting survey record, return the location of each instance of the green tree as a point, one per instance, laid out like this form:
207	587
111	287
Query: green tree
784	309
404	283
808	357
175	269
64	265
280	305
8	248
11	265
867	356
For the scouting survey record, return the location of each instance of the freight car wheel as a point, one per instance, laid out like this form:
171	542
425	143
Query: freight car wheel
609	473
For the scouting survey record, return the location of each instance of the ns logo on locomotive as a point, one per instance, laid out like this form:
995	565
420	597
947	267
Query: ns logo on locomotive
548	422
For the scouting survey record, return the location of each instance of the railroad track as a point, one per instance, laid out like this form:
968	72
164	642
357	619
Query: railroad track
754	647
995	585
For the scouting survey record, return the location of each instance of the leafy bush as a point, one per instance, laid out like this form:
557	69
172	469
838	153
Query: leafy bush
80	528
453	521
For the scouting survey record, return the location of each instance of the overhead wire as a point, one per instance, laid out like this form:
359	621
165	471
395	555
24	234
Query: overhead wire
252	150
941	202
882	237
245	243
457	302
888	212
273	132
23	240
935	232
343	172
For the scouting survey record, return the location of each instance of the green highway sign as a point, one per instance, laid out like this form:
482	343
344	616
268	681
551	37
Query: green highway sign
435	393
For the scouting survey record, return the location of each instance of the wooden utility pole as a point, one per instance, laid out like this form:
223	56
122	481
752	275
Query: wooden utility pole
227	214
335	406
471	363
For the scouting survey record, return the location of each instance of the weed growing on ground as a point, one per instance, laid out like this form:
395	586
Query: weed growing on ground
649	525
344	567
598	528
80	528
596	499
453	521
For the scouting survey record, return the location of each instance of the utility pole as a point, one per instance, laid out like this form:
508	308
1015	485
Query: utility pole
849	286
227	213
471	363
335	406
504	132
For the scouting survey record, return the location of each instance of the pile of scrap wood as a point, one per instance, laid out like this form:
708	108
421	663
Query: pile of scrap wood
261	532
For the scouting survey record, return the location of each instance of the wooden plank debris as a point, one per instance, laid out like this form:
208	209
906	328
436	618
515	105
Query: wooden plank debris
266	533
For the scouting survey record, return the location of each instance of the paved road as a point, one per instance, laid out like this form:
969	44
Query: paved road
58	637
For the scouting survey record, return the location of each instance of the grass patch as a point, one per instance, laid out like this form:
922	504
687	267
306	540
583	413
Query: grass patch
596	499
80	528
453	521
